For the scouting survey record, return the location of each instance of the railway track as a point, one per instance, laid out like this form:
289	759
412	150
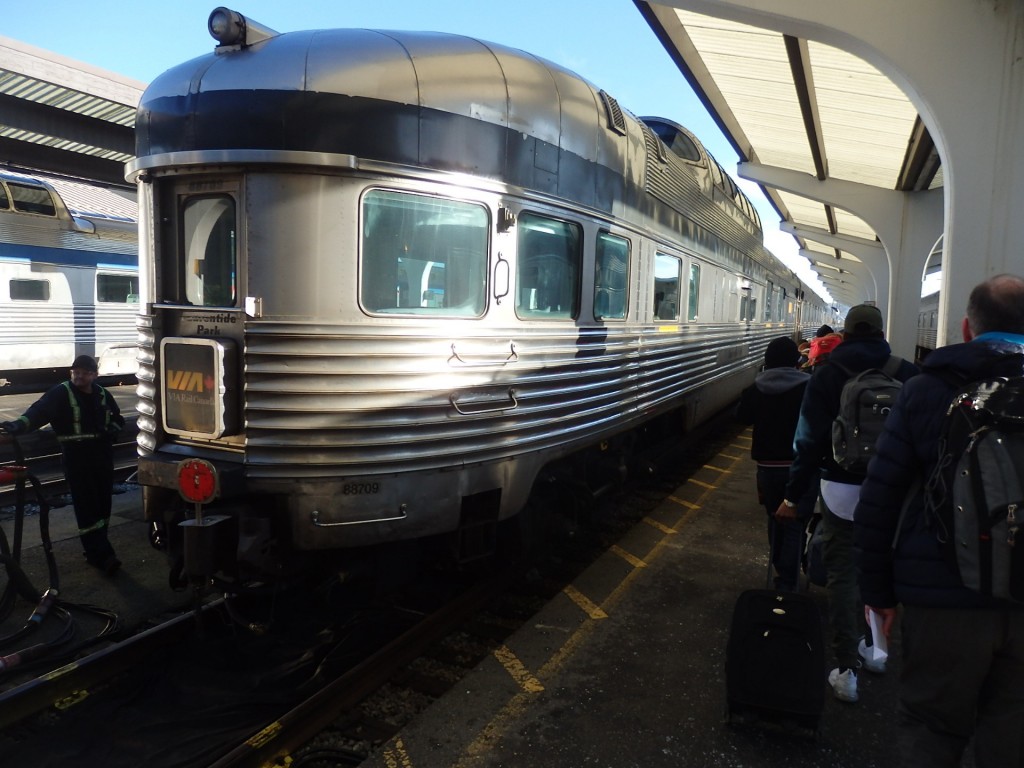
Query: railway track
40	454
224	685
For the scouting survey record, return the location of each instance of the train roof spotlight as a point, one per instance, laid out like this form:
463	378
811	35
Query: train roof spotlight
230	28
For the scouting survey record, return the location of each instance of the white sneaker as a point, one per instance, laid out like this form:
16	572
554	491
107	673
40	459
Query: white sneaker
844	684
876	666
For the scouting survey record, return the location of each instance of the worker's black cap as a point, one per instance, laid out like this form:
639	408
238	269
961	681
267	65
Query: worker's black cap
86	363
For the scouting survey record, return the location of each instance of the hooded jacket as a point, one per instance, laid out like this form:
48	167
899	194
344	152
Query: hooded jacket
772	405
917	573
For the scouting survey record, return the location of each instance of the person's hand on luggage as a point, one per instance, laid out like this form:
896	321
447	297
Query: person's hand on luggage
786	513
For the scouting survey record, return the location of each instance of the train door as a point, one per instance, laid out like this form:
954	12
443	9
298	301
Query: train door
199	306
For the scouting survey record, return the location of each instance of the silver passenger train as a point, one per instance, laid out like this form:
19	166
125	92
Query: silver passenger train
69	278
392	276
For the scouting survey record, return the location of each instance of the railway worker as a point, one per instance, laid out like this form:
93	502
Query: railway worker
962	670
85	418
772	405
863	347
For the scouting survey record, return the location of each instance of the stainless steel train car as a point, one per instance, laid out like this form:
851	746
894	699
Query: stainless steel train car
927	325
393	276
69	278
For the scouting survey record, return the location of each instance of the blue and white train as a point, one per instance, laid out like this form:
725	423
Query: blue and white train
69	278
396	276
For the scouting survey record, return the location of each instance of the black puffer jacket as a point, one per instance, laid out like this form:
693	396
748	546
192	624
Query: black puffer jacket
772	405
820	407
917	573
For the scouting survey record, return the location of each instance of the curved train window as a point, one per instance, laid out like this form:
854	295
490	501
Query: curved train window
611	277
694	292
211	251
667	276
677	141
550	255
29	198
5	201
30	290
117	289
423	255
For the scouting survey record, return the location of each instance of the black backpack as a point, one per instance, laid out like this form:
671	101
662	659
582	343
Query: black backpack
974	498
864	404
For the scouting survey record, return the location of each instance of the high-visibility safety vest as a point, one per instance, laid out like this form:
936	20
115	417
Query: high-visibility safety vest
76	417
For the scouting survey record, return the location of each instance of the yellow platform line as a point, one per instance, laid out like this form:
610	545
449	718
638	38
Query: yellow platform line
518	671
497	726
660	526
718	469
684	502
592	609
702	484
636	562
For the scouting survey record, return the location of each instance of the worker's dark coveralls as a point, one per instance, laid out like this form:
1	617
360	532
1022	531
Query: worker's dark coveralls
85	425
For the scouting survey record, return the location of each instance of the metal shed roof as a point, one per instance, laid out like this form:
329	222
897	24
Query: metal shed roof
63	116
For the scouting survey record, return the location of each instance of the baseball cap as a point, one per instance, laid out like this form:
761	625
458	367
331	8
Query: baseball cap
863	318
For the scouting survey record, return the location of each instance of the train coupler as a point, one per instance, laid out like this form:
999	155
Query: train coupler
208	546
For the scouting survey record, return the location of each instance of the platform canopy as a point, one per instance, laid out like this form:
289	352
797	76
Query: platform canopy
63	116
807	107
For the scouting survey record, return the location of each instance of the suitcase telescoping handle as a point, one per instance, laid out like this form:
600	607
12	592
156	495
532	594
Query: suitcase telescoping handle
769	581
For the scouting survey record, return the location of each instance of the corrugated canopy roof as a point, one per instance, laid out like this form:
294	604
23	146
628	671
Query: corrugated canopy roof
804	106
64	116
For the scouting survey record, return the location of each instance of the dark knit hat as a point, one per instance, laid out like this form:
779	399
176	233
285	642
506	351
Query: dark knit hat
824	330
781	353
85	363
864	318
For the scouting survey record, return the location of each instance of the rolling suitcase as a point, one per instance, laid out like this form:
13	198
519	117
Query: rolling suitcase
775	660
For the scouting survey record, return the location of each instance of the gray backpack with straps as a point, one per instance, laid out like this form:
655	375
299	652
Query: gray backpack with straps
974	498
864	404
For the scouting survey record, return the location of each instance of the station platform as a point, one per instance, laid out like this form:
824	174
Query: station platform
626	666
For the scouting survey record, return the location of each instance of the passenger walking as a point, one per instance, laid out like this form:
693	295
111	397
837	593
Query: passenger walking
85	418
962	654
772	405
863	347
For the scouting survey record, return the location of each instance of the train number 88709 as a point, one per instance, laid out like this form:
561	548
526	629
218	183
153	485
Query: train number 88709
357	489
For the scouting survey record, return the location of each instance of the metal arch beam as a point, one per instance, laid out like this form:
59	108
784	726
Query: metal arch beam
842	289
870	252
907	223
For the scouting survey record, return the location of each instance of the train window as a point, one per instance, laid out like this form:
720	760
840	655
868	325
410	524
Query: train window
117	289
667	277
611	277
5	202
211	251
768	301
423	255
694	293
681	145
548	273
32	199
30	290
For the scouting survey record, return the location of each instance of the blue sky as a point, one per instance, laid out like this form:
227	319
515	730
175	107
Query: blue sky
605	41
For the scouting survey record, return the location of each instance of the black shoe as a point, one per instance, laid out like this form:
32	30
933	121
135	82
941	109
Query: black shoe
108	565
